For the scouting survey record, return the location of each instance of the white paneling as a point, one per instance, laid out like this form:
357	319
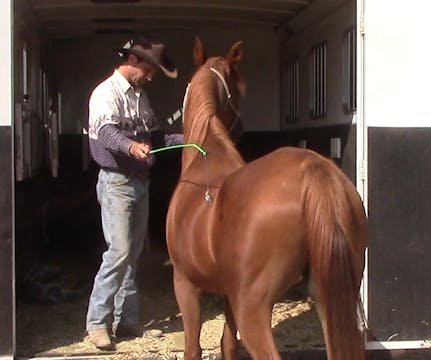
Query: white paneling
397	63
74	18
5	64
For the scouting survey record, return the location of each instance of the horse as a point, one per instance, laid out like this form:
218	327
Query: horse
250	231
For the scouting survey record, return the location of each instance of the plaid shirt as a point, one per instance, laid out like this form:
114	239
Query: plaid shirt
118	115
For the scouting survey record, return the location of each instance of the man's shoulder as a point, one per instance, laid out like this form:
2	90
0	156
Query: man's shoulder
106	84
105	90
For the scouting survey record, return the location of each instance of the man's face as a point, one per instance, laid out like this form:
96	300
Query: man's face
143	72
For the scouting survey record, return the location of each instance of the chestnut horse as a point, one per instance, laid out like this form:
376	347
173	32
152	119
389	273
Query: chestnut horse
252	231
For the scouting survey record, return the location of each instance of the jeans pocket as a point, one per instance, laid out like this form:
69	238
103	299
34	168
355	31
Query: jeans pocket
116	179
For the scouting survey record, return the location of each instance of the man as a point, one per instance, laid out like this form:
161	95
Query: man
120	123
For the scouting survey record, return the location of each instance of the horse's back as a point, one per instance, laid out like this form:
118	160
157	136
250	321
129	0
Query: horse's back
294	165
281	170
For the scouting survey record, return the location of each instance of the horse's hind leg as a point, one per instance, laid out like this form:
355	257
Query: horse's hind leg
188	298
254	324
229	342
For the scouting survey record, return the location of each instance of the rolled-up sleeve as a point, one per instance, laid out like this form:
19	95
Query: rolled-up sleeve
113	140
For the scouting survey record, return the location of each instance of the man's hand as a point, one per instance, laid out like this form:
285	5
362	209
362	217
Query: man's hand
140	151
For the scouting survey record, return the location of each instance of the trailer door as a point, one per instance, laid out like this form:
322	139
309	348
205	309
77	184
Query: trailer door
394	160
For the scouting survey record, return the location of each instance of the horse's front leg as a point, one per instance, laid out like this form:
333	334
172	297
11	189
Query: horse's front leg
188	298
229	343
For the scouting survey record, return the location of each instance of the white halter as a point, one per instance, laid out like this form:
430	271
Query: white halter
223	81
186	95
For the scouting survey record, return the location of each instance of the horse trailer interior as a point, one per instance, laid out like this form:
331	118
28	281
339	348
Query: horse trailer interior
346	78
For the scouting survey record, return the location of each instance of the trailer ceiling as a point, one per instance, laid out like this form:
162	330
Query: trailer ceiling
77	18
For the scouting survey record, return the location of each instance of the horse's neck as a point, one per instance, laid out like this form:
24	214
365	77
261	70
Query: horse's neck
221	160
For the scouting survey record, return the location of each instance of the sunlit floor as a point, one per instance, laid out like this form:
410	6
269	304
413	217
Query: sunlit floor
59	330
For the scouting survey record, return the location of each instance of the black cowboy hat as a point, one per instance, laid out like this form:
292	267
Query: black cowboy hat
152	51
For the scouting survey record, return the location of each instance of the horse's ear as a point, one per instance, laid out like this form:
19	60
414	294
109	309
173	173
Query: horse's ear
234	56
199	52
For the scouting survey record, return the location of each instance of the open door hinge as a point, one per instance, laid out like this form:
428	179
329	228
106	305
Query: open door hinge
363	170
362	25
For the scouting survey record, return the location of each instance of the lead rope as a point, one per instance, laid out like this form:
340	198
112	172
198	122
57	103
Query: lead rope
197	147
208	197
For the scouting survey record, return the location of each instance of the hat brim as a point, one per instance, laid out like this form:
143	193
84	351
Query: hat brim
166	66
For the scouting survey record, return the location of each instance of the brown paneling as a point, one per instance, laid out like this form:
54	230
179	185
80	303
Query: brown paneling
6	243
400	228
255	144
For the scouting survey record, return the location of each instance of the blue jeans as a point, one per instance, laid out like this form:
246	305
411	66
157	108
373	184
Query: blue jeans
124	208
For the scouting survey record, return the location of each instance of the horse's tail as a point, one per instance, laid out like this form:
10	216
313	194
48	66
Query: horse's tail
333	225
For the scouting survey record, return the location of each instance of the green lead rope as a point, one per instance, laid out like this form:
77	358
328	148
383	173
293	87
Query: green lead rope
197	147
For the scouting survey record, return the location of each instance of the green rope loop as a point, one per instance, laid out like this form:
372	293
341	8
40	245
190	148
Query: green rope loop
197	147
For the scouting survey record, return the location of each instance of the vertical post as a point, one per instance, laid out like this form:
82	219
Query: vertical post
361	132
7	309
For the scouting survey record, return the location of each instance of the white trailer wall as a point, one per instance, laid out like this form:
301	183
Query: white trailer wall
395	77
397	63
5	63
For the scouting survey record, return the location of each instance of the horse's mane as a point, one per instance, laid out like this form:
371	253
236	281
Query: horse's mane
201	112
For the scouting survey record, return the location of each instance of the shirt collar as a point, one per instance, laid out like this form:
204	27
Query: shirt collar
122	81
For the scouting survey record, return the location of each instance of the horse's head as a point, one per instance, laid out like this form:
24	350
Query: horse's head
211	116
220	86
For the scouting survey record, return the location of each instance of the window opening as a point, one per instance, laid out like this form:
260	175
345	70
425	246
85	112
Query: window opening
318	81
292	90
349	70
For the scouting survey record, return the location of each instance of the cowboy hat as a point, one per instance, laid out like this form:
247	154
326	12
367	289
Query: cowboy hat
151	51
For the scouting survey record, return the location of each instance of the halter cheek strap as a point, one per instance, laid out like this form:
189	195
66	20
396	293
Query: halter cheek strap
229	101
223	81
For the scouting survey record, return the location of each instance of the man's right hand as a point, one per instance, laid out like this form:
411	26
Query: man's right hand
140	151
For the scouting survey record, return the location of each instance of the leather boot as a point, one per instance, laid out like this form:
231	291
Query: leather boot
100	339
